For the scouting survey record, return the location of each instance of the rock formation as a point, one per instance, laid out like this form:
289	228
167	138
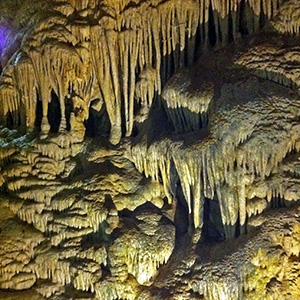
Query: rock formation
149	149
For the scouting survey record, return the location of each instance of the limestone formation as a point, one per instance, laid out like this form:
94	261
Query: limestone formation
149	149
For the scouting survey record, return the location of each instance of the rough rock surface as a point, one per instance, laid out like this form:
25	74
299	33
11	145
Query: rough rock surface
149	149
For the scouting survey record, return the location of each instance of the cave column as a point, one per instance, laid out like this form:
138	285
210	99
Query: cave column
45	127
63	121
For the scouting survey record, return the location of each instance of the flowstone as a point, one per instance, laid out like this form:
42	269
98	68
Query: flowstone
149	149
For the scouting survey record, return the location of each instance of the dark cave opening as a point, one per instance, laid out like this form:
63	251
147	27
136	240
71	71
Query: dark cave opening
98	124
9	120
38	112
213	230
212	35
13	119
262	17
54	113
231	30
68	111
181	218
242	21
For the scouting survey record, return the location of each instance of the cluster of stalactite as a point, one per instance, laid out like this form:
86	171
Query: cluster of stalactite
85	219
240	160
119	53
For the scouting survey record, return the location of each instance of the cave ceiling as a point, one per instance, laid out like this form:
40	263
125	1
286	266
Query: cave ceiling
149	149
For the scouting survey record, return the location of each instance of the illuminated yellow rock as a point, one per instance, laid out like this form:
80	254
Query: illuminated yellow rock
149	149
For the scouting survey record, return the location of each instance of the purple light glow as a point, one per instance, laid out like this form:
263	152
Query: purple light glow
4	36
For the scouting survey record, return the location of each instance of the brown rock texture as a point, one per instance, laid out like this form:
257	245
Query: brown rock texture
149	149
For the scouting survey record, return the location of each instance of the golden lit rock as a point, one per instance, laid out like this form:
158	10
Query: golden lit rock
149	149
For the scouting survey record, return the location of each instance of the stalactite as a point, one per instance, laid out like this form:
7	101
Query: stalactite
11	103
234	153
26	83
220	166
123	50
61	74
126	56
107	75
43	84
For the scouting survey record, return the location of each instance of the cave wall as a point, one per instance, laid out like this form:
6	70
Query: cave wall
117	52
149	149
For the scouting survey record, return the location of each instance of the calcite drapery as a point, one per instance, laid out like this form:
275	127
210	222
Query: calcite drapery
220	148
114	51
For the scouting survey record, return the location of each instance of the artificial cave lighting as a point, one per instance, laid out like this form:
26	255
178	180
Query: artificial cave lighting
149	149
